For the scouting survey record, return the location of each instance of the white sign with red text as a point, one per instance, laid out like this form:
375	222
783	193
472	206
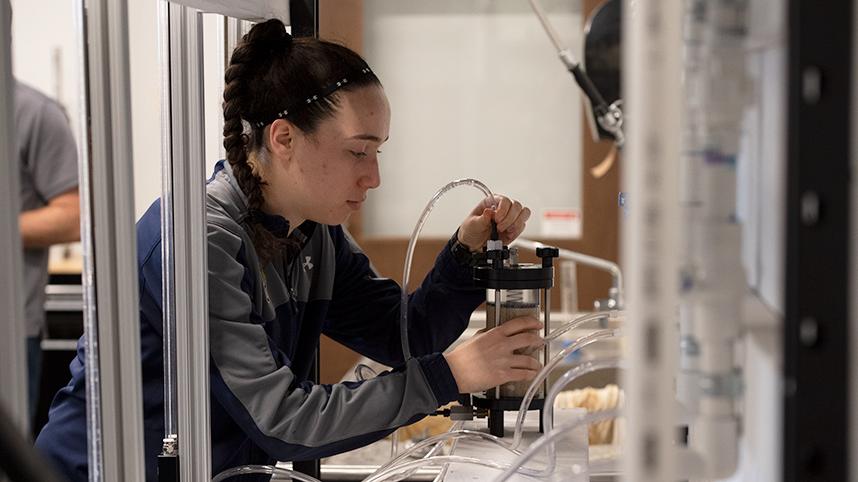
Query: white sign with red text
561	223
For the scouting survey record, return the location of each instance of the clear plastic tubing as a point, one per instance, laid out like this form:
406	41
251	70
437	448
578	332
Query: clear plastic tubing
567	378
403	313
456	426
546	370
549	437
457	434
262	469
393	472
439	439
575	323
443	473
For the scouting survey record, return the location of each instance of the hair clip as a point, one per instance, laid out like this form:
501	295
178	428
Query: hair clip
313	98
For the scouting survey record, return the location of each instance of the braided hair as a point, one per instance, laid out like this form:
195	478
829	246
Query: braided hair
269	74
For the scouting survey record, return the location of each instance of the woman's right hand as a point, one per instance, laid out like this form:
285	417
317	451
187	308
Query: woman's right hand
488	359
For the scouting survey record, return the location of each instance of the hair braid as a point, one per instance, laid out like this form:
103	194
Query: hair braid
235	142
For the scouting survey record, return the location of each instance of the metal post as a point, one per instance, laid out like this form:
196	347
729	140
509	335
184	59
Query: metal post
853	258
651	77
817	295
233	33
13	366
109	203
168	305
190	274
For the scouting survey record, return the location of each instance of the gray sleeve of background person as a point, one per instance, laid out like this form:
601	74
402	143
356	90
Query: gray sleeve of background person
51	152
293	420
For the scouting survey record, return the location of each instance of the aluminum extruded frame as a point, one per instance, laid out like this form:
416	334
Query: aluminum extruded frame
817	296
186	167
110	274
13	361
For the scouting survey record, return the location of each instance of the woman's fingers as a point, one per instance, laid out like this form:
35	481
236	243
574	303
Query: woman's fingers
518	325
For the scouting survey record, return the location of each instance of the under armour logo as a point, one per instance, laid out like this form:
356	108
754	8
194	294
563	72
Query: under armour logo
308	265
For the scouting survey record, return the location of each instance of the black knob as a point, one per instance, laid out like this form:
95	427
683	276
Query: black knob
547	253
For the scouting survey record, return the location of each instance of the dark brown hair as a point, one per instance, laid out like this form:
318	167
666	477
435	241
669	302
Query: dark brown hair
269	72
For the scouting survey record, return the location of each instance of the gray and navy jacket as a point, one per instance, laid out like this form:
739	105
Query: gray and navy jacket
265	323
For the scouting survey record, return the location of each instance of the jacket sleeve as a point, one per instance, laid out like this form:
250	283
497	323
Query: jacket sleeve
289	419
365	308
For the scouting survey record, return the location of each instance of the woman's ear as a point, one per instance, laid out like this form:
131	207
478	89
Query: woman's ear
281	139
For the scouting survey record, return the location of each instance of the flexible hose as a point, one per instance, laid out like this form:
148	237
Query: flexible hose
406	273
558	386
456	426
546	370
452	435
575	323
265	470
549	437
409	254
393	471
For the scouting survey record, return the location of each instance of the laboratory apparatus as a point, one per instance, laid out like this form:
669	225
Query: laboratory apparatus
513	290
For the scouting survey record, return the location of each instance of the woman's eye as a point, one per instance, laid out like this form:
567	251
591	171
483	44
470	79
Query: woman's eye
358	154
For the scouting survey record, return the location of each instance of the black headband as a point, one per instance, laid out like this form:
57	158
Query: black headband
330	89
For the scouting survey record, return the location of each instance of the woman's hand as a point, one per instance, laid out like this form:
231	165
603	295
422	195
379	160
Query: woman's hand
510	216
488	359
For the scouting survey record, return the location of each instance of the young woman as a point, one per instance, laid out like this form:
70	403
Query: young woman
303	122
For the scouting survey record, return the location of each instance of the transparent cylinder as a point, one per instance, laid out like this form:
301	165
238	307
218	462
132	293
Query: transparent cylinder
513	304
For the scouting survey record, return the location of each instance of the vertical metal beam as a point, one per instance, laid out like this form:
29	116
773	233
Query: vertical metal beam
817	296
304	18
187	168
651	79
168	305
111	207
853	255
13	366
304	22
233	33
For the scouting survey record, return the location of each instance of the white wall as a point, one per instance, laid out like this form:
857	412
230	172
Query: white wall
45	61
145	102
476	90
761	208
33	63
762	160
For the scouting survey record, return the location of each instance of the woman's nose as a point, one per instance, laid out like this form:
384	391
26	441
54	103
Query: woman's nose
370	179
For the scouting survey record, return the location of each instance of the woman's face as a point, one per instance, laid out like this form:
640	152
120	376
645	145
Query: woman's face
327	174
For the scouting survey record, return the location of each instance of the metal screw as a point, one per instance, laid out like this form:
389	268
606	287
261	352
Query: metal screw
808	332
811	84
171	444
809	208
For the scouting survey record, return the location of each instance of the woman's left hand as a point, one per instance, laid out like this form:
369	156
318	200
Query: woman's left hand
510	216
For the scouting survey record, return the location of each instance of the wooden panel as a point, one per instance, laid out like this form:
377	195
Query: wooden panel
340	21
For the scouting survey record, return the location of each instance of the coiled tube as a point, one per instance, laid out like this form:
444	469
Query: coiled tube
409	254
